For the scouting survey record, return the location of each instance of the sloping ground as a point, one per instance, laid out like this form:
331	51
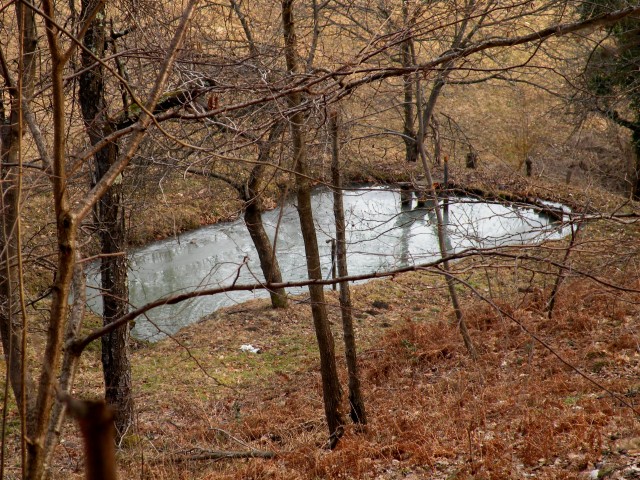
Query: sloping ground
518	412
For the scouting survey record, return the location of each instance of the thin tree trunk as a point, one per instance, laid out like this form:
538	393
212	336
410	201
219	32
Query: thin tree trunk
437	145
409	132
66	231
110	222
12	320
357	410
575	230
70	361
328	370
440	228
426	110
253	220
268	261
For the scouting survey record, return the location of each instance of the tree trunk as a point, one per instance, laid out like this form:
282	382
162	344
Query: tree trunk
268	261
551	302
441	234
328	370
429	108
437	144
69	363
115	345
356	402
409	132
110	223
472	160
253	220
635	185
12	321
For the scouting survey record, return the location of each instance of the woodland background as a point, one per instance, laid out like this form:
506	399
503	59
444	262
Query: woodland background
122	122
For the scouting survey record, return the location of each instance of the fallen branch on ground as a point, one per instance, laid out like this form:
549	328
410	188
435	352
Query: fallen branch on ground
217	455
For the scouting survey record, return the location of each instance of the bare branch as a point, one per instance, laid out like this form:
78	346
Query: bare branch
84	208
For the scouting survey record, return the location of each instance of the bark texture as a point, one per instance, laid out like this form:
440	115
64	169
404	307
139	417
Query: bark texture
110	225
409	131
253	220
357	410
330	383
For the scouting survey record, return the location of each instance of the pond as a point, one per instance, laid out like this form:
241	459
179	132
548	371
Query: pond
381	235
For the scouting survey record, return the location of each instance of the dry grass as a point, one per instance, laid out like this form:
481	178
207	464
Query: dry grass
434	413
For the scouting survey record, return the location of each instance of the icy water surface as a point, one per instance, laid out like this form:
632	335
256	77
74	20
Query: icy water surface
381	235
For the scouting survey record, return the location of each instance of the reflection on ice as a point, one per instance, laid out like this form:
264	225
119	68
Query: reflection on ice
381	235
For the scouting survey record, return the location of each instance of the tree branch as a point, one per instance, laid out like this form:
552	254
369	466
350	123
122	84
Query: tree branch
84	208
537	36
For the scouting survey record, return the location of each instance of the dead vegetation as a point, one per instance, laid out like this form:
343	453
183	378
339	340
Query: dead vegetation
518	412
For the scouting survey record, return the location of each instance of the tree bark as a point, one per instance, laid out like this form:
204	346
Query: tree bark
253	220
409	131
12	321
441	234
268	261
328	370
110	224
70	361
357	410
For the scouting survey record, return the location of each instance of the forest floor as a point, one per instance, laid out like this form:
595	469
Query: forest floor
548	398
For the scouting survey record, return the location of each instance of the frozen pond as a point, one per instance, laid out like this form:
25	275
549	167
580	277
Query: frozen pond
381	235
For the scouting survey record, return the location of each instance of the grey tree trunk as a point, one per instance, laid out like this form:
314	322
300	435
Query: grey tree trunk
330	382
110	224
357	410
455	303
253	220
409	131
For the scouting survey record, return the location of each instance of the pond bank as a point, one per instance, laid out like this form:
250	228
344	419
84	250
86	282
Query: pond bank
413	365
382	236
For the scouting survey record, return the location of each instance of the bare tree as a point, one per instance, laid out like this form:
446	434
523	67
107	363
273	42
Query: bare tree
330	383
440	229
41	420
356	402
109	219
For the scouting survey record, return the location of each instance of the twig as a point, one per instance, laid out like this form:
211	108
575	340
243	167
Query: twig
217	455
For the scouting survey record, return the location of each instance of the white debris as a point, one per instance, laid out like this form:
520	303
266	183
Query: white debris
249	348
